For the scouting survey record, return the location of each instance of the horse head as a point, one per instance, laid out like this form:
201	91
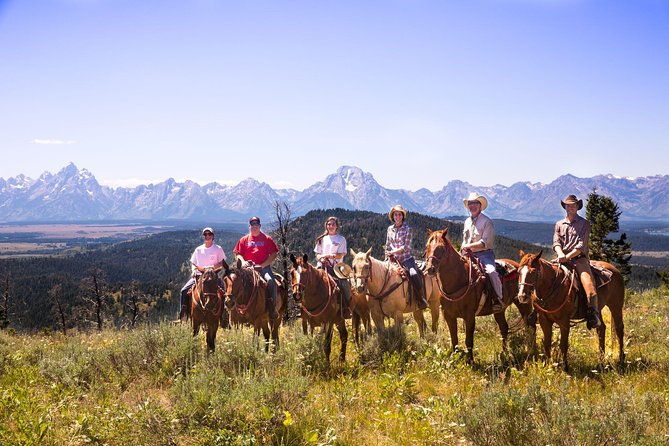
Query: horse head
362	269
529	273
299	275
436	249
207	289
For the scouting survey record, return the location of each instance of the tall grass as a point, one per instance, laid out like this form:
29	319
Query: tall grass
157	386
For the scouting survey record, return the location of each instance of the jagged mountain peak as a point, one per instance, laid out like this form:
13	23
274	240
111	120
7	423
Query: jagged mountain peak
74	194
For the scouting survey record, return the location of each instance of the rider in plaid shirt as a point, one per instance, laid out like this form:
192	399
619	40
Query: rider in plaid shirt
398	245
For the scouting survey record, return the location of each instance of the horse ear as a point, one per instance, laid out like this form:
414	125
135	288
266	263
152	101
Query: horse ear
353	253
305	257
445	231
239	263
443	235
539	255
521	253
429	231
368	253
293	260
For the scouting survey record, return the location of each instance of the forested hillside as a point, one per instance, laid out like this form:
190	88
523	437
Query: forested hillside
151	268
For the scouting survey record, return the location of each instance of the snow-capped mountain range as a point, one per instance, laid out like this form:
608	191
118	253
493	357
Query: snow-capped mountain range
75	195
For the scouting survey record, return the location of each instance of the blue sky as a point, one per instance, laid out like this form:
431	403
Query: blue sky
417	92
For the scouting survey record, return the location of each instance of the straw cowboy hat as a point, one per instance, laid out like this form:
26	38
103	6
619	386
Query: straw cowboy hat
398	208
571	199
342	270
475	196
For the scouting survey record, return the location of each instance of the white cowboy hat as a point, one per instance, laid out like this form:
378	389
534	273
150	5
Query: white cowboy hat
342	270
475	196
397	208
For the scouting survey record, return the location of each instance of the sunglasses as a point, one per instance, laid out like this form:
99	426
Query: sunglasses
469	203
208	234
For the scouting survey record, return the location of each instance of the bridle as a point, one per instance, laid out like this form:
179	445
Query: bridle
434	262
199	290
540	302
239	307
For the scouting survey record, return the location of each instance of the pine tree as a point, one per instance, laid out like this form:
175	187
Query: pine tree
603	214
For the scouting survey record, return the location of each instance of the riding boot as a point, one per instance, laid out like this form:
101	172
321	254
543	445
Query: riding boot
183	313
270	303
594	317
346	298
497	301
419	288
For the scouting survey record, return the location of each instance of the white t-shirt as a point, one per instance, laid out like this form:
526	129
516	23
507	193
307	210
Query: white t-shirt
204	257
331	245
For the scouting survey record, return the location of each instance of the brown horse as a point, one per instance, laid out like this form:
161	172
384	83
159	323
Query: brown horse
388	292
462	286
245	297
553	291
321	301
207	305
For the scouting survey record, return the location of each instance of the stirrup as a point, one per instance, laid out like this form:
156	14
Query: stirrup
594	320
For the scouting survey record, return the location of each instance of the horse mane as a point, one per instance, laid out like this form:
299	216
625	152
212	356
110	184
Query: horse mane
528	258
439	237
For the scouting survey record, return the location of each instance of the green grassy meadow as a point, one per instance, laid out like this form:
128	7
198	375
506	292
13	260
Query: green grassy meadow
157	386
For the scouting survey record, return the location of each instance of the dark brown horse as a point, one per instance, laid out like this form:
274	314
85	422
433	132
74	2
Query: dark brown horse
552	291
321	301
245	298
207	305
462	285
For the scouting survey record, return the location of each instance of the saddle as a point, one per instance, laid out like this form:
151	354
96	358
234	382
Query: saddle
602	277
507	273
404	273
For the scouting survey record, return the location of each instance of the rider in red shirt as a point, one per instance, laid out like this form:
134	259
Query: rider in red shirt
257	249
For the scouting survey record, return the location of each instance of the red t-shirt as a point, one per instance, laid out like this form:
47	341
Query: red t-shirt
256	249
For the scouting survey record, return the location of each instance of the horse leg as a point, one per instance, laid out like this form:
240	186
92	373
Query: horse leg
547	329
265	333
420	320
377	314
617	318
211	337
196	327
434	312
355	325
305	324
343	337
564	344
327	341
500	318
452	323
470	325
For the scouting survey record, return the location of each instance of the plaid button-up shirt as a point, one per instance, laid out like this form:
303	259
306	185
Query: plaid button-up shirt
399	238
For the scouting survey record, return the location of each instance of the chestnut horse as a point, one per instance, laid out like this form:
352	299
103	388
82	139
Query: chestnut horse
245	297
207	305
320	299
461	287
552	292
388	292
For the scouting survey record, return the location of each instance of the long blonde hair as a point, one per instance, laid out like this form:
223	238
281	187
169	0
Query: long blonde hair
319	239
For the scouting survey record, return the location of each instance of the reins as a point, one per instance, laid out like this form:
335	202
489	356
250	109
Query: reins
243	308
554	289
199	292
452	297
331	290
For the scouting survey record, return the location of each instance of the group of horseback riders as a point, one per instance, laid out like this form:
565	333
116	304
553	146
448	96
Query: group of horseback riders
257	250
